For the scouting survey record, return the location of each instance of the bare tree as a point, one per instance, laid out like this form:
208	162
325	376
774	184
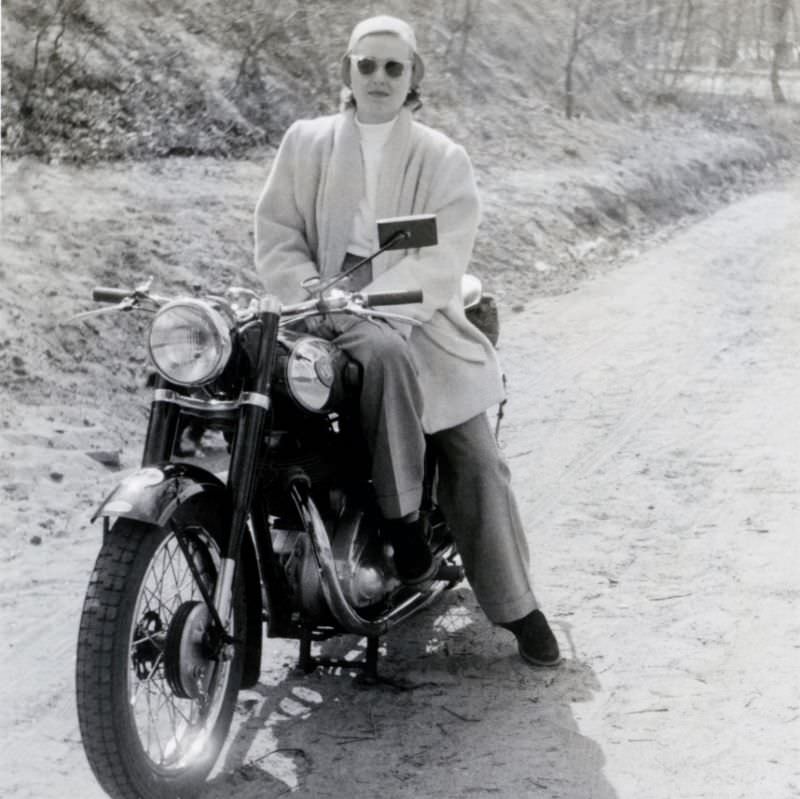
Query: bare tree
254	32
460	21
55	25
729	32
796	19
760	21
578	37
624	23
586	19
779	10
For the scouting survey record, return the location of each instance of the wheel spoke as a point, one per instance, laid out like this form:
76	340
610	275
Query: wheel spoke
155	667
172	729
176	579
153	623
152	727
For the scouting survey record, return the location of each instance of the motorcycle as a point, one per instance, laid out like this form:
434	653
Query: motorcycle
194	564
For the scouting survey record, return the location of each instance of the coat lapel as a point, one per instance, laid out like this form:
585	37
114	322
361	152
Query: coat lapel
342	193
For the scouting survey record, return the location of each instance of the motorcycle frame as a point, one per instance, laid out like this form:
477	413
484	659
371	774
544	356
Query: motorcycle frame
248	545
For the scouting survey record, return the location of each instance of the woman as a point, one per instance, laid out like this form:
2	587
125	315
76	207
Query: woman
332	178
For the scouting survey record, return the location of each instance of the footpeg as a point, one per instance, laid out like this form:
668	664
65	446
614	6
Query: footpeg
450	573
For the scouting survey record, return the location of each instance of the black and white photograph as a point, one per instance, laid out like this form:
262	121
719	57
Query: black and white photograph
400	399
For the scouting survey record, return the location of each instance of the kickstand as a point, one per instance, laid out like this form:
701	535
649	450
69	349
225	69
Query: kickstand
367	676
306	662
368	666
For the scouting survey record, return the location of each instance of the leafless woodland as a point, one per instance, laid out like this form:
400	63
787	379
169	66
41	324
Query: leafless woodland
124	80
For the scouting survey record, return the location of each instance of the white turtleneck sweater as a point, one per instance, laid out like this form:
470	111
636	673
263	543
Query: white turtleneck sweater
364	235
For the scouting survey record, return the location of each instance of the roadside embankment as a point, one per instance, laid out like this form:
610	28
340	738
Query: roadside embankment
591	194
583	197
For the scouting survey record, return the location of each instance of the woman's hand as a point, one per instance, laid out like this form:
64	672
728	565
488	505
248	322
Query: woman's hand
319	325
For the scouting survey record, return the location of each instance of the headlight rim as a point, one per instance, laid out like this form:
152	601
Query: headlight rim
295	350
222	327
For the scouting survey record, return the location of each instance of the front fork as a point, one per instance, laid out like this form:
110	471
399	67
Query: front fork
254	405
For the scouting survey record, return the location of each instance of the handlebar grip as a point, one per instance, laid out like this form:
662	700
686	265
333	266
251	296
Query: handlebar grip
104	294
393	298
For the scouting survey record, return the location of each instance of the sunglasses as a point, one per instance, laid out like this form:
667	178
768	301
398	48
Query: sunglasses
367	65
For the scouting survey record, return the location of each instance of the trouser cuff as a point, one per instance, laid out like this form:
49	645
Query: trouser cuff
396	506
504	612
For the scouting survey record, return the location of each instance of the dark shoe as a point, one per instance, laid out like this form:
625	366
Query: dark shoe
413	559
537	644
423	579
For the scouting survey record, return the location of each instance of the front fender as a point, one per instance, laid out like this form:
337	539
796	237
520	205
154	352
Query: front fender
153	493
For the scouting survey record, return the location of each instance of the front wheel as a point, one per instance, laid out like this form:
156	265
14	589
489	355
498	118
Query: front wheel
155	698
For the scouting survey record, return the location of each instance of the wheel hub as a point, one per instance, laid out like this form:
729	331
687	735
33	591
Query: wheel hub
188	665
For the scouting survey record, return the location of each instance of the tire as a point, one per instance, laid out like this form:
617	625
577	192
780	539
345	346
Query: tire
143	738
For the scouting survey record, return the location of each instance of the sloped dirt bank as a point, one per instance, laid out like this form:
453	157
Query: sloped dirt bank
581	200
570	208
595	193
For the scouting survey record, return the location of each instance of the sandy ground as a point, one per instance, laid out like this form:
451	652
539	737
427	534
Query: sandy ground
653	433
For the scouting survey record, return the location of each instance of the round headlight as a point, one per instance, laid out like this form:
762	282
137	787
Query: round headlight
190	342
309	372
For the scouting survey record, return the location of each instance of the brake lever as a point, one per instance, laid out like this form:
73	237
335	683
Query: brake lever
128	304
137	300
143	288
408	320
298	318
356	310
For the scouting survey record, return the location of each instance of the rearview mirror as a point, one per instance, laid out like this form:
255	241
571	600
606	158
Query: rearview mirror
418	231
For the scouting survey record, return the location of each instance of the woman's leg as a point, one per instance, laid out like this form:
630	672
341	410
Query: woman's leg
391	410
477	500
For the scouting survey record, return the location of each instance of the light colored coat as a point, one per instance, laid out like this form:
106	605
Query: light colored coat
303	222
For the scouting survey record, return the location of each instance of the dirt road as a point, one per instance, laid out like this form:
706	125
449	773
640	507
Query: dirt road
654	435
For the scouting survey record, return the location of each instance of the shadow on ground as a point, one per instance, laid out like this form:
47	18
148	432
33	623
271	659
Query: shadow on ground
458	715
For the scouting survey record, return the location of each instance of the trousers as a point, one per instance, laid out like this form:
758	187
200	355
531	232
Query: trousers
474	487
390	408
475	494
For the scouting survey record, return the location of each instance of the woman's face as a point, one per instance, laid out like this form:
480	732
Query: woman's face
379	96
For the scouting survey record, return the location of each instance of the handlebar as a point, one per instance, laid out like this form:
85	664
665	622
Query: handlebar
104	294
342	301
392	298
338	301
